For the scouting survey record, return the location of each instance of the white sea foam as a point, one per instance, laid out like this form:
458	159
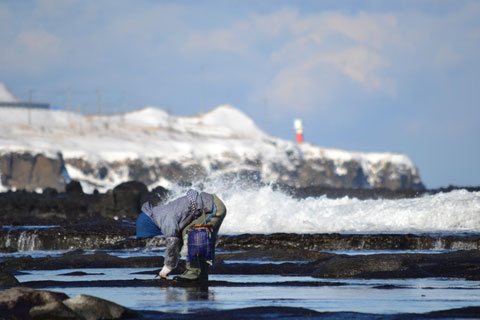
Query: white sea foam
264	210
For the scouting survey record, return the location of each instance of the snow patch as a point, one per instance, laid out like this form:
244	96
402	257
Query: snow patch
5	94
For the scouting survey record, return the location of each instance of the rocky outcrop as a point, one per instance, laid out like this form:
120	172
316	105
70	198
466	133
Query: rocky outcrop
335	241
31	171
116	234
93	308
27	303
7	279
54	208
80	259
300	173
38	171
124	200
16	303
461	264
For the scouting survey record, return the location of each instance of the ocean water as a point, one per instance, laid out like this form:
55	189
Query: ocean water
369	296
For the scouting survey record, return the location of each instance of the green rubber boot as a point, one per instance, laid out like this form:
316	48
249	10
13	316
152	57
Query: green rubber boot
204	266
197	270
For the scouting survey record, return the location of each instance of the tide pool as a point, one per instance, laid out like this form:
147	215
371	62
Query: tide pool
366	296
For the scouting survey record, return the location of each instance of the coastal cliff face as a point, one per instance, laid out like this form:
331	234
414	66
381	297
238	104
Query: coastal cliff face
31	172
156	148
38	171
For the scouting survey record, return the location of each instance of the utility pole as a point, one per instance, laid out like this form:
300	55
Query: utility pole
99	102
202	69
169	119
265	115
68	103
68	98
122	106
30	93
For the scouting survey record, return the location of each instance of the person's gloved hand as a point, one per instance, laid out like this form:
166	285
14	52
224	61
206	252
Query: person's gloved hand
163	274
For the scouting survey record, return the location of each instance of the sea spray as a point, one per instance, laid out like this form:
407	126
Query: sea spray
27	241
267	210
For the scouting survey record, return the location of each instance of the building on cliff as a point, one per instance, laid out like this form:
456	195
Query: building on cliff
8	100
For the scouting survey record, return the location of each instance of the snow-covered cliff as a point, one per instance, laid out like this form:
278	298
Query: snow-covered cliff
157	148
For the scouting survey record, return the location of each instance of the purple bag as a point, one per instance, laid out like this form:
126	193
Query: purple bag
200	244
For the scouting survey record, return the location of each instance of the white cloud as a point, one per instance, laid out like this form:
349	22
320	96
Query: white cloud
4	12
277	23
243	35
5	20
373	30
53	8
376	52
446	55
292	88
32	51
233	40
293	57
304	48
306	84
223	40
360	64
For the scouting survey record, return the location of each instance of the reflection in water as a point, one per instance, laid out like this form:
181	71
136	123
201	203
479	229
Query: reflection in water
190	294
356	295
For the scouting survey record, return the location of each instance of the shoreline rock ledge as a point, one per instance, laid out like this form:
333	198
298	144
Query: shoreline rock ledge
28	303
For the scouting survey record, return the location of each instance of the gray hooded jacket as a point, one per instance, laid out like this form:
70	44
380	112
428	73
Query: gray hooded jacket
173	217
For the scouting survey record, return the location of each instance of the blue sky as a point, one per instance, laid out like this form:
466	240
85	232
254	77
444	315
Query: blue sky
383	76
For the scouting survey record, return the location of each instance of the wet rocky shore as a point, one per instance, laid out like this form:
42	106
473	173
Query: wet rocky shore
294	262
88	227
28	303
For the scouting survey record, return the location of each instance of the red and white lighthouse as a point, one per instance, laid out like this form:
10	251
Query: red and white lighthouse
298	125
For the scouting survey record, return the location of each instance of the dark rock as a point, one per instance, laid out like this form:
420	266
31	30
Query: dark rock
74	187
28	303
80	261
370	266
29	208
54	311
50	192
157	196
457	313
94	234
17	301
111	234
461	264
30	172
124	201
389	287
335	241
93	308
7	279
53	208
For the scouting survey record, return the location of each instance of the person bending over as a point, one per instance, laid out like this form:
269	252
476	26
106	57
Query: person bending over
191	221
